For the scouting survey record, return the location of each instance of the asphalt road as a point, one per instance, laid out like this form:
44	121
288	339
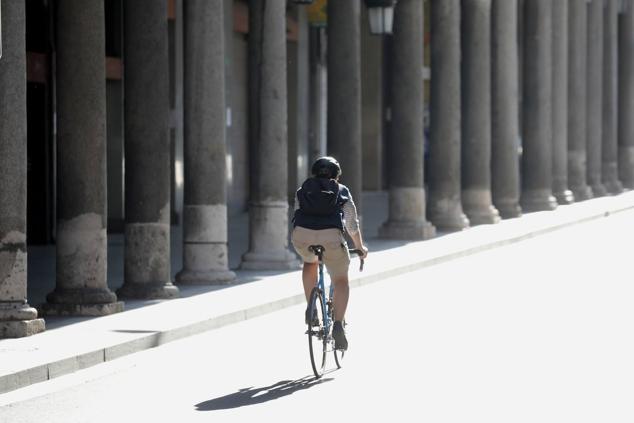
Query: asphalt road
540	331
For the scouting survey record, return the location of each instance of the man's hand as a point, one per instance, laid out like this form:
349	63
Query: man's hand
358	244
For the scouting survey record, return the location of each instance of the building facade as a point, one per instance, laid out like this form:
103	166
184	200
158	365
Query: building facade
132	116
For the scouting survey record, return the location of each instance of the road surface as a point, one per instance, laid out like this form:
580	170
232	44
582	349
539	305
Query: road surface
540	331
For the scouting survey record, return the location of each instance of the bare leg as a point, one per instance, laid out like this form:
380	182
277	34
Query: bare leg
341	295
309	277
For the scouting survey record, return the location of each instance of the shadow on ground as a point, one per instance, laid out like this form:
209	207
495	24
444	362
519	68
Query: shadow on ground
252	396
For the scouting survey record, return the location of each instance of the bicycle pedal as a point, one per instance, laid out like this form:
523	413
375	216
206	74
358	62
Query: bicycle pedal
318	333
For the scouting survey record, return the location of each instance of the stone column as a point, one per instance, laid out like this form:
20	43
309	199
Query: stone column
344	92
17	317
374	128
147	271
505	141
577	69
626	96
445	208
205	254
594	103
560	103
82	286
476	112
536	108
268	207
406	219
609	154
317	143
299	161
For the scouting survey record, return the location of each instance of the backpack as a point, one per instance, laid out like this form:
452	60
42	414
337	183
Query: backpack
319	197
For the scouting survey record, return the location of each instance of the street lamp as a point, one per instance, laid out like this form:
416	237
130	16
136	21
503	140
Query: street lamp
381	15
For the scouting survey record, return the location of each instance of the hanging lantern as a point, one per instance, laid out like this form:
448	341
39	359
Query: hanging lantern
380	15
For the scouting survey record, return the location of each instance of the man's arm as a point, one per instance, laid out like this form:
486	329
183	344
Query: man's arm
358	243
352	226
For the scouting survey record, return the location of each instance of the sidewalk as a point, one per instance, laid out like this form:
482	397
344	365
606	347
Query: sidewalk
70	344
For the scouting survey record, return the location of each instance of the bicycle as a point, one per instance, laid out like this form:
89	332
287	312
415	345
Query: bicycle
321	317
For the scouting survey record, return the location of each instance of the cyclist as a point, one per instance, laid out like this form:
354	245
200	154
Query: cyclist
323	211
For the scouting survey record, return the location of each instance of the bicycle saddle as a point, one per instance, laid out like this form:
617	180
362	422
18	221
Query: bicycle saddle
317	249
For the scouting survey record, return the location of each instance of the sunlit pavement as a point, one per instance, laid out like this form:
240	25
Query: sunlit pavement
538	331
72	343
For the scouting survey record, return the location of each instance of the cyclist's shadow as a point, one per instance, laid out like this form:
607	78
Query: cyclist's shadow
252	396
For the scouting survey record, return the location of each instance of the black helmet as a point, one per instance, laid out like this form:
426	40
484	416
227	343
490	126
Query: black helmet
326	167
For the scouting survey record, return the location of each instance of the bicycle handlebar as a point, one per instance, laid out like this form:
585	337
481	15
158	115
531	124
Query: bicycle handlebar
358	253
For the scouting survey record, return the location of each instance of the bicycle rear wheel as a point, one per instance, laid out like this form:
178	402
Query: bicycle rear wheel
317	338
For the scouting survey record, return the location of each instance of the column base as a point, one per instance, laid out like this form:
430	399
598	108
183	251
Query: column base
268	249
628	185
206	277
81	302
205	263
17	311
92	310
610	178
477	205
149	291
147	260
81	296
18	320
21	328
483	216
508	209
613	186
447	216
281	260
564	197
538	200
407	230
598	190
582	193
626	166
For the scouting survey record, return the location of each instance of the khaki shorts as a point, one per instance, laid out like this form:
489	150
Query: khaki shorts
336	257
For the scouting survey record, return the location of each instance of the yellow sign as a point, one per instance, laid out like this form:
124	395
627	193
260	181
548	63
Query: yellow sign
318	13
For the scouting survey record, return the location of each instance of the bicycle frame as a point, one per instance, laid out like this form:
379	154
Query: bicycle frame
325	304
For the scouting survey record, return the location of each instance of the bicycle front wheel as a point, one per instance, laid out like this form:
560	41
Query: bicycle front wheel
317	336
